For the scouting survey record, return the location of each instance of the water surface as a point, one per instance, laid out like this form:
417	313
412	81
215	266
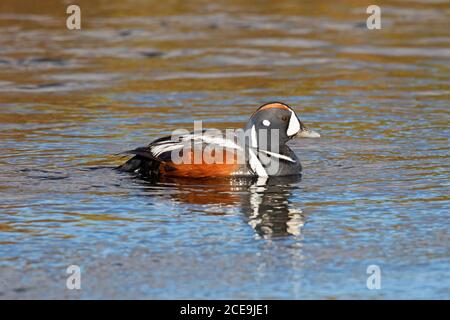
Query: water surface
374	188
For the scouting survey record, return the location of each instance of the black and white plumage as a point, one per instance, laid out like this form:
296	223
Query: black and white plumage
258	150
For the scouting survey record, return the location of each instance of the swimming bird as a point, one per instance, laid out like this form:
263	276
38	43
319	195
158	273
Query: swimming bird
259	149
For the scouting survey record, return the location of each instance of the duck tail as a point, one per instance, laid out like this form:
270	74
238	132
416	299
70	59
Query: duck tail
143	162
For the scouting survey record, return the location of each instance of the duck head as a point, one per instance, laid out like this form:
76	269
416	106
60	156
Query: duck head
277	117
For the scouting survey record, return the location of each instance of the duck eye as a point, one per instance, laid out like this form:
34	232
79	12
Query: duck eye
285	118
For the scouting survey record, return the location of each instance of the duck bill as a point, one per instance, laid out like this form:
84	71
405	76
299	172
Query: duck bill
306	133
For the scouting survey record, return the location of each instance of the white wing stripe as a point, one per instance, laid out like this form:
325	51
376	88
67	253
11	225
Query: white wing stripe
159	149
184	142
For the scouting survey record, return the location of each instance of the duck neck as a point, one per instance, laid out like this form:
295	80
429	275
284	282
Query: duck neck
264	139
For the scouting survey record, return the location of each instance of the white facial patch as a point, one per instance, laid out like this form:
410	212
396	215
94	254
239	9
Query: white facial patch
266	123
294	125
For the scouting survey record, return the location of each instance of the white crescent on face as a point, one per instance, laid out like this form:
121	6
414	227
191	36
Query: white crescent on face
294	125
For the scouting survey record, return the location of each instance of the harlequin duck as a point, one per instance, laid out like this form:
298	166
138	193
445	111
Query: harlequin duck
258	150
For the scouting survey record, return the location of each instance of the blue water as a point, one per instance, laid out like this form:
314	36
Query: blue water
374	189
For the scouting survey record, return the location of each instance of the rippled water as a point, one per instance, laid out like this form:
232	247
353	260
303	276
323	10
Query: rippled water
374	189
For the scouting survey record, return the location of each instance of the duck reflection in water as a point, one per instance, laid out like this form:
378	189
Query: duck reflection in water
264	202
